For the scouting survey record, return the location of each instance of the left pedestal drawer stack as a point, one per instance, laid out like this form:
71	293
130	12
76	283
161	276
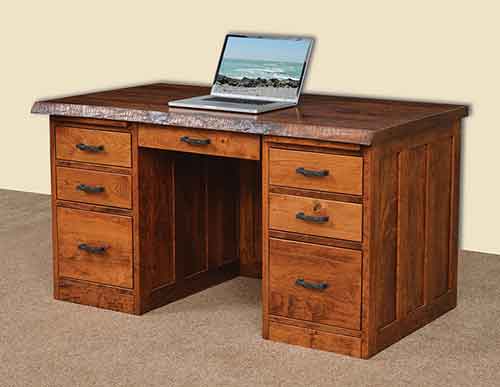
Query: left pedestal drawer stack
92	181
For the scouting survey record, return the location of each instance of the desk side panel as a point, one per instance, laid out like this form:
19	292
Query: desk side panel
411	244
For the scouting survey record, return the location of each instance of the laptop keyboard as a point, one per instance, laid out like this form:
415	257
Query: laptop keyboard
238	100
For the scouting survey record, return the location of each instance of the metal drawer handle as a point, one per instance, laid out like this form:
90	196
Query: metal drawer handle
195	141
89	188
309	285
90	148
310	173
311	218
92	249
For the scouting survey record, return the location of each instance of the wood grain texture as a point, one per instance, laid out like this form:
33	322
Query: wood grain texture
94	167
438	218
293	236
106	297
413	321
344	218
387	229
318	117
94	208
156	214
340	269
316	194
189	224
117	188
371	171
117	146
344	172
190	215
411	226
315	326
315	339
191	285
114	266
311	145
392	261
224	144
53	202
455	206
265	239
139	264
92	122
222	203
250	224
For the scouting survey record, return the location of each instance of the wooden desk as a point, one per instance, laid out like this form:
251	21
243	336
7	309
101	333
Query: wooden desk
347	207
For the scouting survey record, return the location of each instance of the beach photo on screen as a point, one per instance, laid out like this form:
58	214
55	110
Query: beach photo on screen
262	67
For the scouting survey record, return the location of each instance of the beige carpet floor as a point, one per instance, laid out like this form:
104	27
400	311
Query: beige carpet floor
213	338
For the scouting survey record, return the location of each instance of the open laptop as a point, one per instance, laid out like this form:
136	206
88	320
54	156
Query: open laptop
256	74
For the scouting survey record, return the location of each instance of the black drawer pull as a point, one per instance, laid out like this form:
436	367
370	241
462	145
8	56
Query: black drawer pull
195	141
310	173
311	218
90	148
89	188
309	285
92	249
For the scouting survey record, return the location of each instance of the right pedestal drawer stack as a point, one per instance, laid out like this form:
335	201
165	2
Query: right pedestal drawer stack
360	242
313	274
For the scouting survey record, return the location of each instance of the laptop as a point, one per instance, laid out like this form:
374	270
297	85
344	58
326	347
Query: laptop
256	74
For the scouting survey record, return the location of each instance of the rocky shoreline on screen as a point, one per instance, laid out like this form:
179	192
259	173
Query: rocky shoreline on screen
257	82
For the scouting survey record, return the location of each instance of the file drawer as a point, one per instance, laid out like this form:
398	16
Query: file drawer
93	146
326	218
108	189
316	171
95	247
315	283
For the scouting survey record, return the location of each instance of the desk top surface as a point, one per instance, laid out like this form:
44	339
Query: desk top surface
361	121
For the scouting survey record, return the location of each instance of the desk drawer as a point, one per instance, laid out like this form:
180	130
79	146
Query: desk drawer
93	146
208	142
315	283
95	247
316	171
327	218
108	189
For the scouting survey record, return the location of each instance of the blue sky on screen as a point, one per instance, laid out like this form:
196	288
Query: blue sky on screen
266	49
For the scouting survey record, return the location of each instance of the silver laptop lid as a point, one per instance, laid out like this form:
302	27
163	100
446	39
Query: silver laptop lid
262	67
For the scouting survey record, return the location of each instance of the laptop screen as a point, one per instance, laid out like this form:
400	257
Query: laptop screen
262	67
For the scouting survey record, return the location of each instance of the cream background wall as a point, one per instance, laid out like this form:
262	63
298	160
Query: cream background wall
428	50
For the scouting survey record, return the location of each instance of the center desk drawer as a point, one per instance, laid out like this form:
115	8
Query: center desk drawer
94	146
108	189
208	142
95	247
315	283
316	171
326	218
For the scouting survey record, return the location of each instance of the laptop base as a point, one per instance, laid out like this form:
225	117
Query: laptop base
209	102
